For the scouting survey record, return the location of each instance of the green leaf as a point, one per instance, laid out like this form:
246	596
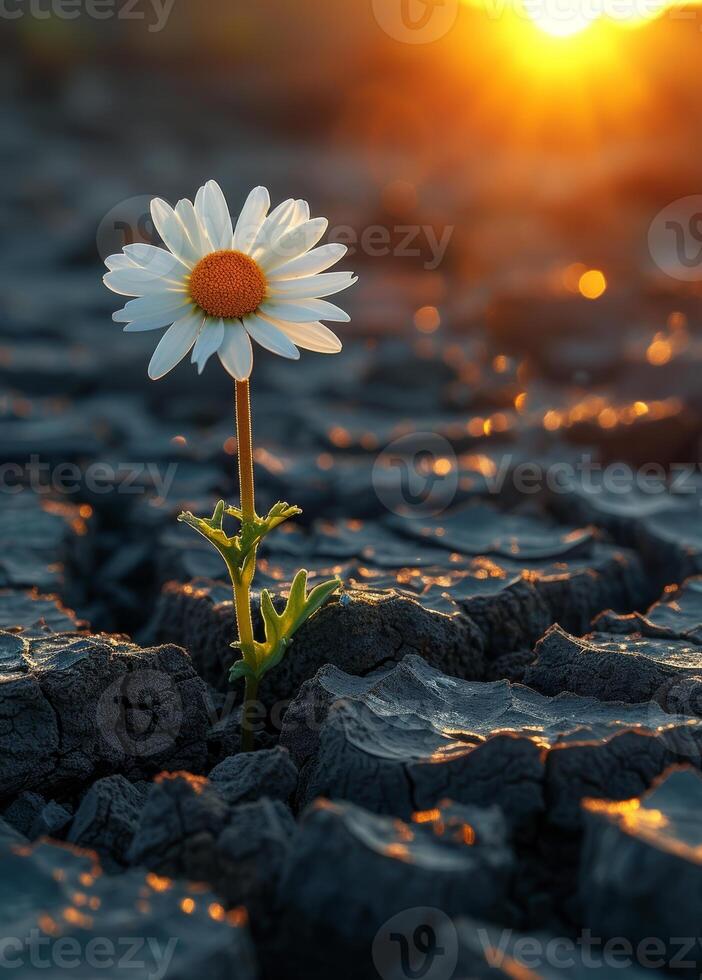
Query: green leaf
241	669
239	550
280	627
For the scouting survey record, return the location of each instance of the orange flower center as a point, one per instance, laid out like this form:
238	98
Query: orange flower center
227	284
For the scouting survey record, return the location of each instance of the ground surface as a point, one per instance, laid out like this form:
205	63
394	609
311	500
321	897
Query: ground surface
457	755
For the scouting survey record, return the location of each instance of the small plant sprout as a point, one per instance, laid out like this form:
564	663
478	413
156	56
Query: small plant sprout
217	287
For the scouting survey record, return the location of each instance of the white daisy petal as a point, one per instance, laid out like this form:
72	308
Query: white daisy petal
235	352
277	222
172	231
200	203
302	311
217	219
269	336
194	230
302	213
311	336
251	218
149	305
139	282
175	344
312	286
309	264
157	261
155	321
208	342
295	241
119	261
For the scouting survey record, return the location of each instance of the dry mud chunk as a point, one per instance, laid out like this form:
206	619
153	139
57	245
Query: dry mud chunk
179	826
614	667
520	573
23	812
641	876
107	818
359	631
672	542
677	615
350	871
251	775
72	707
51	821
31	610
187	829
252	850
660	526
406	739
38	537
63	892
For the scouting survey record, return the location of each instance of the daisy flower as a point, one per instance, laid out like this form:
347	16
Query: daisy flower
218	287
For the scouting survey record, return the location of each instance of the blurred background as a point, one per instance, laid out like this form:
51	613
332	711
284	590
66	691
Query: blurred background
520	188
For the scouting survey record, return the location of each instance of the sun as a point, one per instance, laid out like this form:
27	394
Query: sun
565	18
560	18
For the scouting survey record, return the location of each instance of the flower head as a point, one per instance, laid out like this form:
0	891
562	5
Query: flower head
217	287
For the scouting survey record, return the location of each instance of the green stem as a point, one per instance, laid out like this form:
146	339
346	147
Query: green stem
250	696
242	589
244	449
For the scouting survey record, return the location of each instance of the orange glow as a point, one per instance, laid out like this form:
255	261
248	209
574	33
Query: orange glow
238	917
427	319
592	284
659	352
607	418
77	918
563	20
425	816
158	883
48	925
442	466
196	783
187	905
340	437
552	420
